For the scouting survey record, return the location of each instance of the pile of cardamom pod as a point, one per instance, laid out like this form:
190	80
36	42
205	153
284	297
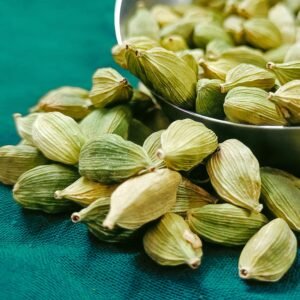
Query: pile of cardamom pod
111	158
237	60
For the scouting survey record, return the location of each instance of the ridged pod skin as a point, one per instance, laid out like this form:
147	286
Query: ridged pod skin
171	243
225	224
84	191
138	132
16	160
216	69
253	8
110	158
174	43
163	14
185	144
139	43
270	253
35	188
109	87
285	72
71	101
281	196
234	173
248	75
251	105
142	199
210	100
190	195
58	137
93	215
262	33
165	73
287	97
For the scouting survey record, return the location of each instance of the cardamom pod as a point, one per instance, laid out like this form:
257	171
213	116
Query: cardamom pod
216	69
262	33
234	174
225	223
285	72
234	27
58	137
216	47
35	188
292	53
185	144
190	195
93	215
142	199
248	75
291	178
253	8
109	158
281	195
210	100
170	242
250	105
84	191
269	254
16	160
287	97
138	132
109	87
277	55
164	15
174	43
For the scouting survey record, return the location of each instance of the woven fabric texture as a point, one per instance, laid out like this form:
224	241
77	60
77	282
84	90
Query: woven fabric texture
44	45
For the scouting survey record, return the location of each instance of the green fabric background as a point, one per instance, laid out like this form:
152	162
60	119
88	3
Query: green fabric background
44	45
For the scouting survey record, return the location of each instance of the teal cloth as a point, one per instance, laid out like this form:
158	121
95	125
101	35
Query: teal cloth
44	45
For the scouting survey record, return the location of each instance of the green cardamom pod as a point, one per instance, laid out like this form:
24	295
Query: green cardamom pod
16	160
58	137
234	27
174	43
285	72
35	188
215	48
253	8
270	253
278	55
170	242
185	144
164	15
234	174
216	69
84	191
281	196
138	200
292	53
109	158
225	224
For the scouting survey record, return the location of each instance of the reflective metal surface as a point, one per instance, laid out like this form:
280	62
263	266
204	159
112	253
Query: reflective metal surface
274	146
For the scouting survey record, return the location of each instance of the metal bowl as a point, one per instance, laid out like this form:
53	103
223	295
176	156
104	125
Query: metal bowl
275	146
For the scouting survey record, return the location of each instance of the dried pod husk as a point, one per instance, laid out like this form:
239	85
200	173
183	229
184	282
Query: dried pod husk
206	32
109	87
284	19
170	242
249	76
251	105
16	160
35	188
197	54
109	158
84	191
190	61
216	47
138	132
164	15
93	215
140	103
285	72
142	199
71	101
253	8
262	33
216	69
270	253
291	178
225	224
139	43
287	97
189	196
210	100
24	125
281	196
142	23
165	73
234	27
292	53
174	43
152	144
234	174
58	137
278	55
185	144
